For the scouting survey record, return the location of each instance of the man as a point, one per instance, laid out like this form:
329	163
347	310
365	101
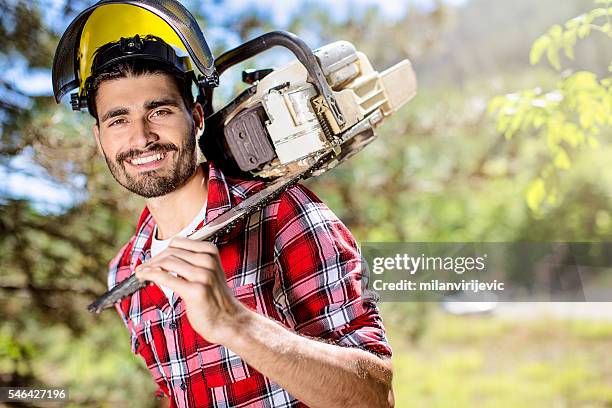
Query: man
270	314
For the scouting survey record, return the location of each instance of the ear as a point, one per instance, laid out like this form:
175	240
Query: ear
198	116
96	132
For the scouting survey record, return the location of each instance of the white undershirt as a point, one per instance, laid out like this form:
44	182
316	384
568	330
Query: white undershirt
158	245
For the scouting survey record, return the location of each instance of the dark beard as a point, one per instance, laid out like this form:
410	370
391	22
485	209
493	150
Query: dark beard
150	184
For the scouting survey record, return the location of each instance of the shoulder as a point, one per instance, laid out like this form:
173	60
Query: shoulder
299	202
241	189
299	193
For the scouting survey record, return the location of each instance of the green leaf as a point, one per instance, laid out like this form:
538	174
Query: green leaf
583	31
586	119
569	40
539	46
502	125
538	120
553	57
593	142
536	192
555	32
552	197
495	104
562	160
515	123
598	12
574	22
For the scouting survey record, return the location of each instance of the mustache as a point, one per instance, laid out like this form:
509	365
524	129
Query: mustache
154	148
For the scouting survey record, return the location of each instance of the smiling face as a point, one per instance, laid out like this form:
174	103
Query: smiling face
146	133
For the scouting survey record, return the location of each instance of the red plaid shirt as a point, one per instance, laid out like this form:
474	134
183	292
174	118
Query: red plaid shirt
293	261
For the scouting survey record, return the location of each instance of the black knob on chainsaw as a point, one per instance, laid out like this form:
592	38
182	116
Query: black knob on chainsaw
250	76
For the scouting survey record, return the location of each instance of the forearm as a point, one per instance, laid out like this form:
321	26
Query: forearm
318	374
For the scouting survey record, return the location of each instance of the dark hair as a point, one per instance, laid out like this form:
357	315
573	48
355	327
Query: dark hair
137	68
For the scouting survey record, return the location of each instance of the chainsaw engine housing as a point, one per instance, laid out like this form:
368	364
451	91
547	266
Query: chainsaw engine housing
287	119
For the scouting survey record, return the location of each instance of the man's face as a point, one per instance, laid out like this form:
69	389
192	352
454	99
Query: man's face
146	134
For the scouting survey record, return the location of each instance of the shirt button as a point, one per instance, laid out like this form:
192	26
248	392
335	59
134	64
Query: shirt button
183	386
173	326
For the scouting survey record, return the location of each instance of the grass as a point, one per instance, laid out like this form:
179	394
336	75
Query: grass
484	361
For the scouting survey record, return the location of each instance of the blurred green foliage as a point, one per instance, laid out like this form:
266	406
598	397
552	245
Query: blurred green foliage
441	170
576	114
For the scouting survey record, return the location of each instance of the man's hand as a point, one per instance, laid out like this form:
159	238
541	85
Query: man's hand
211	308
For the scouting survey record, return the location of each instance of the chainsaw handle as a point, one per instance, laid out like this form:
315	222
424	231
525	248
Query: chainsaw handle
282	39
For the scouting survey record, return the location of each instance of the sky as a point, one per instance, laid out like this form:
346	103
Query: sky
24	180
281	11
38	82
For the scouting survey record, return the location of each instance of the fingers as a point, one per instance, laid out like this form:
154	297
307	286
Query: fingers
203	248
161	277
182	268
203	260
194	246
196	261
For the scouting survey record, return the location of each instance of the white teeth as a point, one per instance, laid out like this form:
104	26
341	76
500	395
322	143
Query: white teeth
148	159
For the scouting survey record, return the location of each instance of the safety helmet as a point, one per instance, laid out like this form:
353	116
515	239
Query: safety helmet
111	31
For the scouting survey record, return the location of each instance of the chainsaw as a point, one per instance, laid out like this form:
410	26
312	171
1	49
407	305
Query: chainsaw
290	123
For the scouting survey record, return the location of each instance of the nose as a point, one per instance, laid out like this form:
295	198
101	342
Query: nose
142	134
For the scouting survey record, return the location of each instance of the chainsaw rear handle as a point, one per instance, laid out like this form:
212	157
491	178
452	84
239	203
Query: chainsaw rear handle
282	39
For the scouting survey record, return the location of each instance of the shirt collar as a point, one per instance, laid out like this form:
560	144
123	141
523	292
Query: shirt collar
218	201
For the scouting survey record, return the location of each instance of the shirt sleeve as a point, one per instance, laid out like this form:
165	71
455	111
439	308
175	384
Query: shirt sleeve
116	273
318	288
119	270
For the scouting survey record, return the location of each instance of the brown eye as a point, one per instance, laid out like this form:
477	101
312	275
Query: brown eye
117	122
161	112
